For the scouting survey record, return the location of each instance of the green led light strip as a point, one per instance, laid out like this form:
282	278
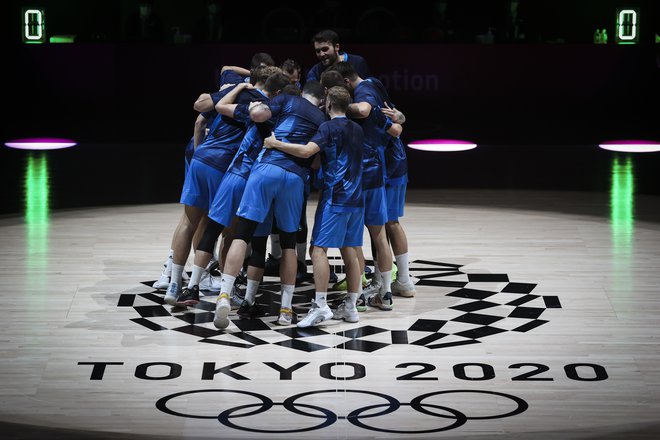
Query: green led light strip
36	210
622	203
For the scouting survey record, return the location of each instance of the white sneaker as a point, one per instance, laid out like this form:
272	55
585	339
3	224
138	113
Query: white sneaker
222	308
286	317
162	282
165	277
403	288
172	293
381	301
316	315
209	283
372	289
346	313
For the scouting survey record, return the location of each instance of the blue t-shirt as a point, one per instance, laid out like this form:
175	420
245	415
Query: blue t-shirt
358	63
296	121
396	162
252	143
225	134
230	77
341	142
375	132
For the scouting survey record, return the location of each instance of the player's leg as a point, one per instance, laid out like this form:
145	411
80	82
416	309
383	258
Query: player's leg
181	247
353	240
402	285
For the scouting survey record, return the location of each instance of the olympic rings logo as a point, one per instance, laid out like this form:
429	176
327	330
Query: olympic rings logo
230	417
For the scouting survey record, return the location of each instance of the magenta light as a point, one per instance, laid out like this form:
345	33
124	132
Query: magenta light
631	146
40	144
442	145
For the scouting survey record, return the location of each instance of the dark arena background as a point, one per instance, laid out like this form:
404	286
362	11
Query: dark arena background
535	254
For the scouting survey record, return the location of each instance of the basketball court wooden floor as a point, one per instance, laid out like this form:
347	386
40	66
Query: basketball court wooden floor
536	316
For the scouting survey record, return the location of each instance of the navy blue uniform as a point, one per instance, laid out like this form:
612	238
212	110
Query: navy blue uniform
278	178
212	157
339	215
225	134
229	195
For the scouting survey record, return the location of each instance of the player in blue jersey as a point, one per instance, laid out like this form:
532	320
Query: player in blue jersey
396	163
258	59
209	163
291	69
326	47
207	282
338	222
228	196
369	97
276	183
230	75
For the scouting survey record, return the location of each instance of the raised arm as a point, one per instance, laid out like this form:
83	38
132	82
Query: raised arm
239	70
226	106
204	103
359	110
298	150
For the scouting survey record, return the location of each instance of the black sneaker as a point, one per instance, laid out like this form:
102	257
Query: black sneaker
188	296
249	311
272	266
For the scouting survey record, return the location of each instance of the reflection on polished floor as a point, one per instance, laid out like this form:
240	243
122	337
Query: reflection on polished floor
535	317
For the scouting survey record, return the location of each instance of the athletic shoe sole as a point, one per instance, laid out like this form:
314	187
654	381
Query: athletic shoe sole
221	321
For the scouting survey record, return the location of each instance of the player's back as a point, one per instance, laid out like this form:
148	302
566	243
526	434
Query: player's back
341	143
296	121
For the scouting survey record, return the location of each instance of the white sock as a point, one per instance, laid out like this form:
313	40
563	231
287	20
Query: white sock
320	299
351	300
301	251
386	278
402	267
196	276
287	295
177	271
251	292
377	274
275	249
168	263
226	283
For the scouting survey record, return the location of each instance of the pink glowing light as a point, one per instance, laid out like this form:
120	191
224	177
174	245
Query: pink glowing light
442	145
40	144
631	146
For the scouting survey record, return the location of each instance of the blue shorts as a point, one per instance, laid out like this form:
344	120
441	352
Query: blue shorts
201	184
271	185
227	198
265	227
375	206
337	229
396	198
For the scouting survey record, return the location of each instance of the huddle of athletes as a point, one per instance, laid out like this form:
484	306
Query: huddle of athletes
260	143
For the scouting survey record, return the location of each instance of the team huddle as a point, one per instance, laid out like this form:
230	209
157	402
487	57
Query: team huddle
261	144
